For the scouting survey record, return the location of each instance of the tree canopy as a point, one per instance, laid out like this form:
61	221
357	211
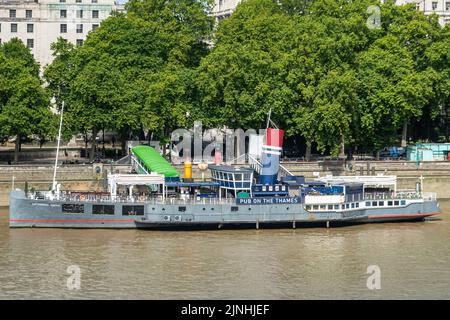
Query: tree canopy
24	102
337	73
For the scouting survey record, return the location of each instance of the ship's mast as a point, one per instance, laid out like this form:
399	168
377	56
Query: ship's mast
57	149
269	121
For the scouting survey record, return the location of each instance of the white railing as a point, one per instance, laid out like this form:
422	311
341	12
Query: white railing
255	164
429	196
284	170
103	198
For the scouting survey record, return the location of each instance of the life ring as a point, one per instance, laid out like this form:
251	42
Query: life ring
82	197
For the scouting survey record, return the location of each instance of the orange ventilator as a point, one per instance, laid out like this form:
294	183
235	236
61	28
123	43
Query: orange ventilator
187	169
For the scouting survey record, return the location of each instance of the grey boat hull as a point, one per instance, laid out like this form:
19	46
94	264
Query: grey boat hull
25	212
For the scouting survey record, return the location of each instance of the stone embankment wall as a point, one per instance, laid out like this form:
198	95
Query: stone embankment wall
436	175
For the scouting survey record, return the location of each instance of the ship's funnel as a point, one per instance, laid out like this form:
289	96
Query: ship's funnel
271	151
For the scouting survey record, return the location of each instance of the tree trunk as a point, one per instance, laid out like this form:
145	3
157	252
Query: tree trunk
404	134
85	144
342	147
93	144
308	151
446	125
123	140
17	149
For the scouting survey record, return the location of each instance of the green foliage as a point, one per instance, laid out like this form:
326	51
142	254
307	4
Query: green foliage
24	102
136	70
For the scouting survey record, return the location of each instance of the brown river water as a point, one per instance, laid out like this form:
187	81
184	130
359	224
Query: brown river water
313	263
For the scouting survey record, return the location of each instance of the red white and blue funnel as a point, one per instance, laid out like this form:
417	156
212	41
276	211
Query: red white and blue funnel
271	151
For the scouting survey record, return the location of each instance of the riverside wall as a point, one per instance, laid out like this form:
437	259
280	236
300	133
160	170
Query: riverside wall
436	174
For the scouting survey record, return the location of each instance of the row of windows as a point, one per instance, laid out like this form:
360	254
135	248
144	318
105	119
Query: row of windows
62	28
434	5
383	203
28	13
14	27
62	14
30	43
79	1
229	176
79	14
104	209
355	205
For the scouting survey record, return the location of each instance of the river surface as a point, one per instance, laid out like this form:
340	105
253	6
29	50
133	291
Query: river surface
313	263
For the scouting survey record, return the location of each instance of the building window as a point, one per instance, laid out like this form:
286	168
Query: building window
30	43
13	27
94	26
79	42
63	13
94	14
28	14
447	6
63	28
30	28
12	13
79	28
79	14
434	5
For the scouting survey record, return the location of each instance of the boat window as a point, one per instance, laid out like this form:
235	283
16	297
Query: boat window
72	208
336	207
389	203
315	207
367	203
357	204
322	207
308	207
347	206
133	210
381	203
234	209
403	202
330	207
353	205
343	206
396	203
238	176
181	209
102	209
374	203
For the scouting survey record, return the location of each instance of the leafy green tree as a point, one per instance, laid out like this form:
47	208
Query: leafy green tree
244	75
134	73
24	103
